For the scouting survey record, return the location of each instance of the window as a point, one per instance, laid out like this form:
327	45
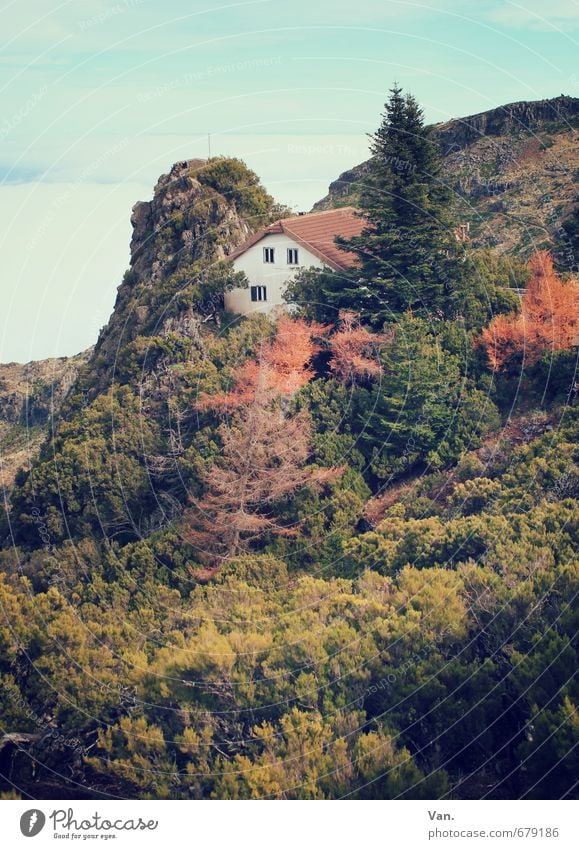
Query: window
259	293
292	256
268	254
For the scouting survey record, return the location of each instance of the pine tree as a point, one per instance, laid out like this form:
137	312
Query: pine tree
408	250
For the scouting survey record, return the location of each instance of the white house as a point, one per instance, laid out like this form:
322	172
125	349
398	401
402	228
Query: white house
272	256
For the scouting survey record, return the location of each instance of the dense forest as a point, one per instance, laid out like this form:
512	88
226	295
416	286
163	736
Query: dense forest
326	554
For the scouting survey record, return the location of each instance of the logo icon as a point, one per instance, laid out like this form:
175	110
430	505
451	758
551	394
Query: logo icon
32	822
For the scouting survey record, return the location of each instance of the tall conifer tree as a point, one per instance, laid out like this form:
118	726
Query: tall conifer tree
408	251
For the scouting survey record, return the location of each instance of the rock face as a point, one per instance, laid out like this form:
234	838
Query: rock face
510	120
200	212
31	395
184	222
513	170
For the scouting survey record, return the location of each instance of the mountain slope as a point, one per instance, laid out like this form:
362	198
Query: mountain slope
514	172
31	395
323	657
115	439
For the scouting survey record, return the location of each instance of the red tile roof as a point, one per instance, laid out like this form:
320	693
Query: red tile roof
316	231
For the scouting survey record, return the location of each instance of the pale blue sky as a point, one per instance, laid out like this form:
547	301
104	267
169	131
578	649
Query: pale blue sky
101	96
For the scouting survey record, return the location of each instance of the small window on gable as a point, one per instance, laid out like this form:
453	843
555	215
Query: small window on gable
292	256
268	254
258	293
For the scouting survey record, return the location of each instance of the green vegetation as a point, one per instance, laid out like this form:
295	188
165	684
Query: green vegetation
409	256
281	559
232	179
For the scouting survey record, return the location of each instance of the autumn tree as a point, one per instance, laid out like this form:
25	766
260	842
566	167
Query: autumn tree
548	320
265	448
355	351
281	366
262	462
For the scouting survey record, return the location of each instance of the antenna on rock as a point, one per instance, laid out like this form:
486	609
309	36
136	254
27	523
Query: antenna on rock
208	145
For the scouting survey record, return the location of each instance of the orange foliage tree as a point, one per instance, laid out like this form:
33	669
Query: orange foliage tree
262	462
355	351
282	366
289	356
548	320
265	448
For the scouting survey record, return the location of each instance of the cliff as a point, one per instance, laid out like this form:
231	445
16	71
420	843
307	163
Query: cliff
200	212
524	116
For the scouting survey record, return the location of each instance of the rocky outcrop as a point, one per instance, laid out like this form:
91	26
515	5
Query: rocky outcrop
200	211
184	222
510	120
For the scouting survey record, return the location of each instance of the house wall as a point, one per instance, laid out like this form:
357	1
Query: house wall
273	276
